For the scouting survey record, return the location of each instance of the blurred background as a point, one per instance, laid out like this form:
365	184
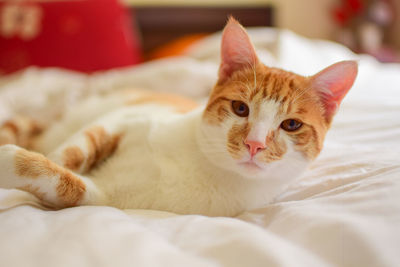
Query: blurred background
94	35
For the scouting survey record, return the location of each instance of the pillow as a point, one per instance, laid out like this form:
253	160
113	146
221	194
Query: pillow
85	35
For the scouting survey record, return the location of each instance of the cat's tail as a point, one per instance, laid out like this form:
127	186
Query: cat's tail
20	130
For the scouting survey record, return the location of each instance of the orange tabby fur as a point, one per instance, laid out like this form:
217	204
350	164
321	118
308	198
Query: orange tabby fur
70	188
19	130
296	100
181	104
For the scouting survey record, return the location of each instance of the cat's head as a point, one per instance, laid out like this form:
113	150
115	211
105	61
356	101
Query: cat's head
262	121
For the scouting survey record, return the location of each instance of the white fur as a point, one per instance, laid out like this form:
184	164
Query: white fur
264	121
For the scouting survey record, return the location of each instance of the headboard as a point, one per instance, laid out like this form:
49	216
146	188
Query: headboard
159	25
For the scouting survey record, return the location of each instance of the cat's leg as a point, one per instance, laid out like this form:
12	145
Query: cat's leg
20	130
54	185
84	150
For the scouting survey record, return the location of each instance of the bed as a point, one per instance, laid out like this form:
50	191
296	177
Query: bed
344	211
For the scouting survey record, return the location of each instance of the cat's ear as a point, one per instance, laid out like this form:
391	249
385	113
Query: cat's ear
333	83
237	51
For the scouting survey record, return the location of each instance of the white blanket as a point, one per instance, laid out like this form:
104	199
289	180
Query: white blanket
345	211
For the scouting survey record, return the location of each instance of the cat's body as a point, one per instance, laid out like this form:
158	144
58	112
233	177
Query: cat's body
159	163
259	130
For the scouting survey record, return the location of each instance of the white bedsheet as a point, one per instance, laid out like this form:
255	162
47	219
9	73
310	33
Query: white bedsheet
345	211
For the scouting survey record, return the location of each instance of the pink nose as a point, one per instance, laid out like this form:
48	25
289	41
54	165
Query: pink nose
254	146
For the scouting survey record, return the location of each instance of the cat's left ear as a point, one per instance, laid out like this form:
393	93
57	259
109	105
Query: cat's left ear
333	83
237	51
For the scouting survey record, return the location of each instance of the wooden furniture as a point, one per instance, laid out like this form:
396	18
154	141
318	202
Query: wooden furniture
159	25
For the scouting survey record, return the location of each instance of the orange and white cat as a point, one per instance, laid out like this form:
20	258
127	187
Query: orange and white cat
259	130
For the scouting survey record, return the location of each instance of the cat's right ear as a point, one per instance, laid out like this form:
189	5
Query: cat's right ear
237	51
333	83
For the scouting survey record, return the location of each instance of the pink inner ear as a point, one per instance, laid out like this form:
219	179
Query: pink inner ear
237	51
333	83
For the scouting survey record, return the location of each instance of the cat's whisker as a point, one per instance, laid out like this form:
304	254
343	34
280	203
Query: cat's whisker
304	100
245	76
302	92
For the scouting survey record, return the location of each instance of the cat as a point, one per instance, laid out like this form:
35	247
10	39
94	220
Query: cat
259	130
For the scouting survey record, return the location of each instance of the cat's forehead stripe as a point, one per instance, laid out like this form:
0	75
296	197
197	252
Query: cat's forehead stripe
271	84
301	111
216	101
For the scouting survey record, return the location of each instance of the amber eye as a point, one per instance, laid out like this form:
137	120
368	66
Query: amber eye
291	125
240	108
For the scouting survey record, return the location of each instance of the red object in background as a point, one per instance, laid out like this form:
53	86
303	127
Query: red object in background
347	10
85	35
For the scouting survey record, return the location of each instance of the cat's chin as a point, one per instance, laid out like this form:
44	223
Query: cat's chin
251	169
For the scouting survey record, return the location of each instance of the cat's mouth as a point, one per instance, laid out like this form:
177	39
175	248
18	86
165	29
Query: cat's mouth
250	164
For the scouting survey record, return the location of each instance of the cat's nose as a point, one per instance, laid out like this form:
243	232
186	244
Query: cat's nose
254	146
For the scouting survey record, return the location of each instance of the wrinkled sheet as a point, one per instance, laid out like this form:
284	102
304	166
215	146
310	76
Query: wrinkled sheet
345	210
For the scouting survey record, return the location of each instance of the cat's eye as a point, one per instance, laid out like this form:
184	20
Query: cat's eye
240	108
291	125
